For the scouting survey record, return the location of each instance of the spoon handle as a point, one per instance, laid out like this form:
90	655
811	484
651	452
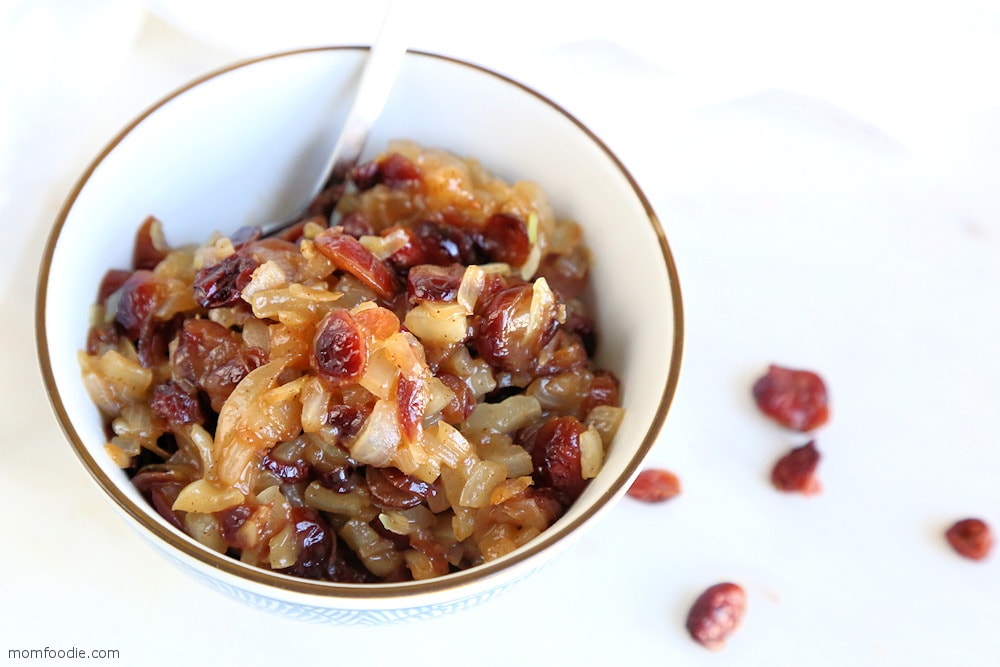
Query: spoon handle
377	79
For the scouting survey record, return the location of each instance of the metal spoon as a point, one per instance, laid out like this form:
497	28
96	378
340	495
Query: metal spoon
377	78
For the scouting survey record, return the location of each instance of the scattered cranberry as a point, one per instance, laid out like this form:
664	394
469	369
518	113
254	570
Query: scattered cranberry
796	399
971	538
716	614
655	485
795	472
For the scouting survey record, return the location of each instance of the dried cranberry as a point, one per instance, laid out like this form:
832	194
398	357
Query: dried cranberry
356	224
464	402
162	498
583	326
437	243
111	283
398	171
393	489
347	254
151	476
564	353
288	471
971	538
716	614
317	544
796	470
175	405
796	399
366	175
555	453
493	285
399	542
230	521
342	478
220	285
153	345
101	338
411	401
147	253
393	170
340	353
603	390
160	486
212	358
140	296
429	282
410	253
548	502
505	239
347	420
655	485
568	275
503	336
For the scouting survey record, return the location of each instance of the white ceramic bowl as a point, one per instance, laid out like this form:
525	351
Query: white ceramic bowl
226	151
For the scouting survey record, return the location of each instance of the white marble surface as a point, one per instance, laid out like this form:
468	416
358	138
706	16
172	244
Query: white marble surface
827	180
